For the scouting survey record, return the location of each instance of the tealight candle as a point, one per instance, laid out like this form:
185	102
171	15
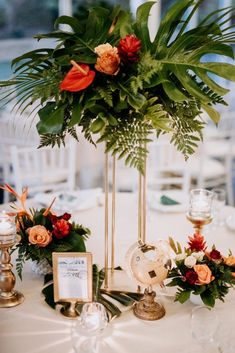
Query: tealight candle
200	203
7	228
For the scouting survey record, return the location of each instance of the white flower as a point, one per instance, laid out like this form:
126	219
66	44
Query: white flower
180	257
190	261
198	255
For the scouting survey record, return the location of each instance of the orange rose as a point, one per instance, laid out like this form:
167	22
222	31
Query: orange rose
230	260
39	235
204	274
108	59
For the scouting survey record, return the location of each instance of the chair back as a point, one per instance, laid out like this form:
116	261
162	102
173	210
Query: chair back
166	167
44	169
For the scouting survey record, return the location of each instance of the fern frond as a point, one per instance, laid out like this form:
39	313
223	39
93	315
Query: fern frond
106	94
128	139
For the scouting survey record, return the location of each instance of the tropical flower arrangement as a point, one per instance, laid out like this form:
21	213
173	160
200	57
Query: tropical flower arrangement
200	271
42	232
107	76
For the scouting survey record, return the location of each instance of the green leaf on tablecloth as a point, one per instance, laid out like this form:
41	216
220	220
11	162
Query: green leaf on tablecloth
48	292
122	298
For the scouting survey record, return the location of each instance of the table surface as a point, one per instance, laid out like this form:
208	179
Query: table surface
33	327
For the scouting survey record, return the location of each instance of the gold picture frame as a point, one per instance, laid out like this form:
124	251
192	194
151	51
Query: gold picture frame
72	274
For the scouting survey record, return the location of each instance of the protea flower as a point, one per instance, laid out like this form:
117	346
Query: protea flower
197	242
129	47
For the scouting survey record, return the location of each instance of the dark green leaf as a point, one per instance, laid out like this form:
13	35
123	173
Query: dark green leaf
51	119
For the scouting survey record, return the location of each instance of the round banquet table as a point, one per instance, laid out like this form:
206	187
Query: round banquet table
33	327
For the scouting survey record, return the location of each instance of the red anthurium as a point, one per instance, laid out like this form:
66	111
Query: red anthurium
78	78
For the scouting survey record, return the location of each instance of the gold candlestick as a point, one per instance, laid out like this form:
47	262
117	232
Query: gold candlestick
8	296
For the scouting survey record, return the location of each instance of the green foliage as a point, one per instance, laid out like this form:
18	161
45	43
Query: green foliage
127	140
164	88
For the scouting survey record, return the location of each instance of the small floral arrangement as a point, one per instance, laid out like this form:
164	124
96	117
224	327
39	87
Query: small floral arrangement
42	232
107	76
201	271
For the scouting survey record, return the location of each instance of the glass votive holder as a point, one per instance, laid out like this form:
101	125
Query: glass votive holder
89	326
200	204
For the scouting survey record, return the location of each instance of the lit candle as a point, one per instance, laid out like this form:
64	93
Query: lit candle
7	228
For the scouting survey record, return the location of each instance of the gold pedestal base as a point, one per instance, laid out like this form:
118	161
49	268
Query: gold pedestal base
148	309
69	310
8	300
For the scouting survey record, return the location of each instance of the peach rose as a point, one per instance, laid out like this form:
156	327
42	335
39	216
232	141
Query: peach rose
230	260
204	274
108	59
39	235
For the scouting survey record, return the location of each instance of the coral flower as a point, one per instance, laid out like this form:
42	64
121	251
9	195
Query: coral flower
197	242
78	78
204	274
129	47
39	235
108	59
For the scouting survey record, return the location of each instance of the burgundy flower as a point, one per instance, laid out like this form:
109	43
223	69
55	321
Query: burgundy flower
66	216
61	229
197	242
53	219
191	277
129	47
215	255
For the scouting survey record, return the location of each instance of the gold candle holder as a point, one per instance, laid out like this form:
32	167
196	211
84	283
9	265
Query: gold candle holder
200	204
8	296
199	223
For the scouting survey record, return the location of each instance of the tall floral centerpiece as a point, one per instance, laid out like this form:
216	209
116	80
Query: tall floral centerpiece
106	76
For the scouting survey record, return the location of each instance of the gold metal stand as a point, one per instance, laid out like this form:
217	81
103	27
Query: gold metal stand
69	310
8	296
147	308
106	222
115	280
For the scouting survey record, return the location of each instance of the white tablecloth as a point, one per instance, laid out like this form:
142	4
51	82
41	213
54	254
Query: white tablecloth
33	327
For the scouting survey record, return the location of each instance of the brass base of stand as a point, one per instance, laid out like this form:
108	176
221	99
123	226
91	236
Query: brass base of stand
8	300
148	309
69	310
